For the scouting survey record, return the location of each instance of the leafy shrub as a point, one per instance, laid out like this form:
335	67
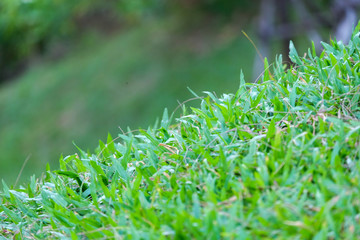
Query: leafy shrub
277	159
27	26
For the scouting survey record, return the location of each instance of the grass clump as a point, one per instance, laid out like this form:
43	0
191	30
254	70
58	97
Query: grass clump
276	160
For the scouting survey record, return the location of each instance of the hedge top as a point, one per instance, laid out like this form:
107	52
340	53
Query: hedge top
277	159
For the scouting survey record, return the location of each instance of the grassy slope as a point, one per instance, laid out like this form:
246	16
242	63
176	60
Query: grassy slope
276	160
123	81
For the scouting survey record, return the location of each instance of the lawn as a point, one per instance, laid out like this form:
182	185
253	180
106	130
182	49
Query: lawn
277	159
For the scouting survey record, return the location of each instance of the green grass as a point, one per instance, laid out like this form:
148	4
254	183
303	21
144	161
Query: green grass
274	160
104	84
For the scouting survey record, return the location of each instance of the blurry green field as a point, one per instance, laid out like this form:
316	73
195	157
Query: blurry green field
105	84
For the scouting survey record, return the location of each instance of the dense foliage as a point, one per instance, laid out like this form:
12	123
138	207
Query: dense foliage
276	160
29	27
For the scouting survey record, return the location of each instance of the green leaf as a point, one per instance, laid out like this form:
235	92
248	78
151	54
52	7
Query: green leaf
143	201
196	208
103	186
293	55
271	129
5	189
293	95
10	214
120	169
97	168
110	143
193	93
258	98
266	70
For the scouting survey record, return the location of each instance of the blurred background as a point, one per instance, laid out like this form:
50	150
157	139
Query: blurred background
74	71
